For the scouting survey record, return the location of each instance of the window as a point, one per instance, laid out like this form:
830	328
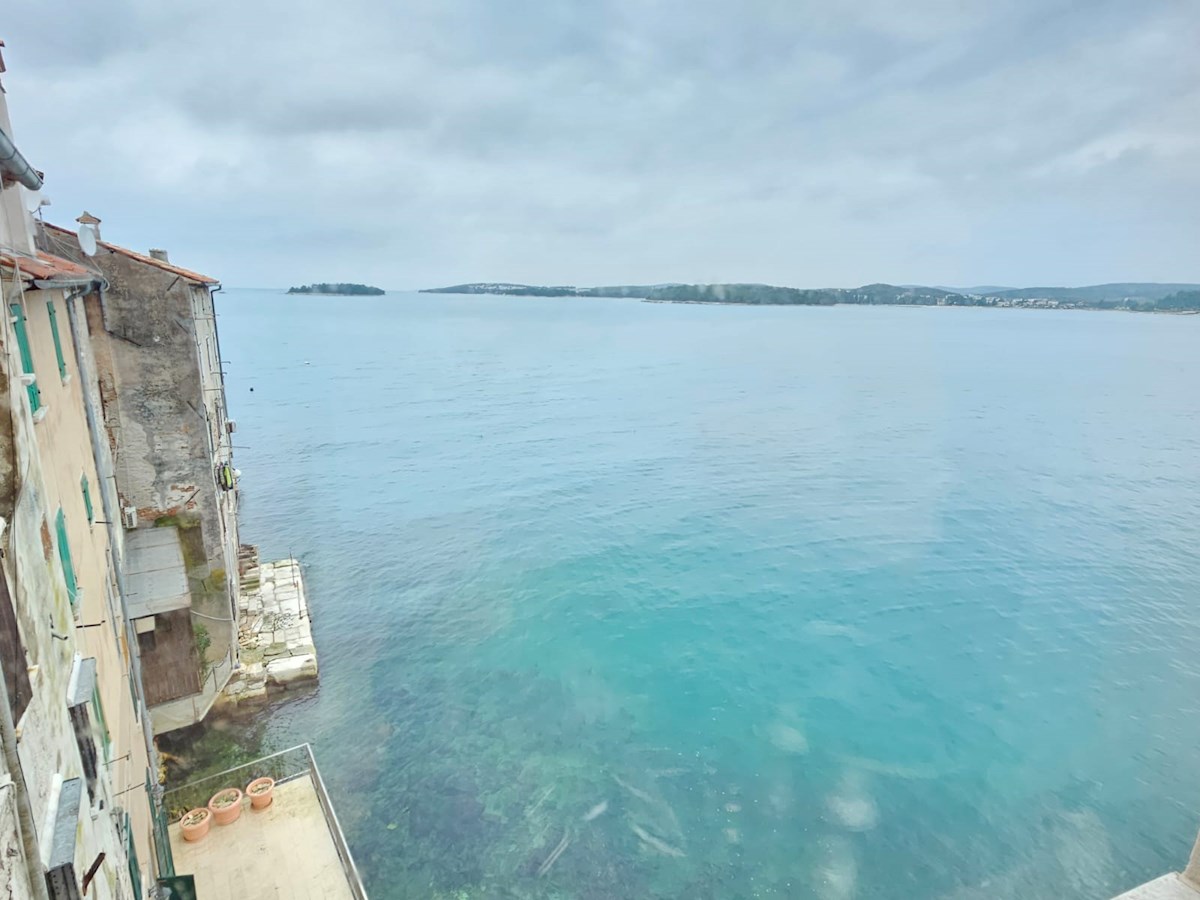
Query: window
18	320
87	499
62	363
64	555
133	695
102	723
147	641
135	871
87	747
81	689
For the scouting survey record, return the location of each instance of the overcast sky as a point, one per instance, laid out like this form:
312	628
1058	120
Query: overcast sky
791	142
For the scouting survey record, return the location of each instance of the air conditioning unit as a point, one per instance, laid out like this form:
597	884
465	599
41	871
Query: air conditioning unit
129	517
230	426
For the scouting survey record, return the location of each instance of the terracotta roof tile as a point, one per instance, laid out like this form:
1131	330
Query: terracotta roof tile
143	258
46	267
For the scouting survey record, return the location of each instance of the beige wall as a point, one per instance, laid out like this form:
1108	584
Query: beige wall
64	446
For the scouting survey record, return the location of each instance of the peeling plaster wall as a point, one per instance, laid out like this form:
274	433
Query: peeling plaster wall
154	342
14	878
164	461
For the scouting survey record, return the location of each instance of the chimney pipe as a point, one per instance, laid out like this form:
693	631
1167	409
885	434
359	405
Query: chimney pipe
88	219
160	255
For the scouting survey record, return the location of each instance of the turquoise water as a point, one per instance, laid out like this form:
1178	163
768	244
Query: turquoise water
832	603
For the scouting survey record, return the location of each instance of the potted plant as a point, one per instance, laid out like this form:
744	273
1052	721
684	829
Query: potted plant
226	805
261	792
195	824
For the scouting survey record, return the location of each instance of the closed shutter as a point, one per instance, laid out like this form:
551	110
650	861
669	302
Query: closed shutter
87	499
64	555
18	320
135	871
58	351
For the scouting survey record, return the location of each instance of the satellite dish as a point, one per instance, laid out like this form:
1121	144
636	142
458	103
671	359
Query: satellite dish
35	200
87	240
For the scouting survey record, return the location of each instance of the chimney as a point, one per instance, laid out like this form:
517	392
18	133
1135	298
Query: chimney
160	255
88	219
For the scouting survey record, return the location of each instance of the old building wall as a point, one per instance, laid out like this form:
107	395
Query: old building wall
163	404
68	464
153	337
212	378
51	456
14	876
164	449
115	646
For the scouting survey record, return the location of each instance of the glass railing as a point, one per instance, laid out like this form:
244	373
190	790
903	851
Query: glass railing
287	765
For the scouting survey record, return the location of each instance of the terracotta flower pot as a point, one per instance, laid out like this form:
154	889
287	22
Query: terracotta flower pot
195	824
261	792
226	805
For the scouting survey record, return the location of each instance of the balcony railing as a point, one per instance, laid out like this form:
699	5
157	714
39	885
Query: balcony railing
286	766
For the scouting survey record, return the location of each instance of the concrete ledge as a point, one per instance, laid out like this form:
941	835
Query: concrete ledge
1168	887
274	629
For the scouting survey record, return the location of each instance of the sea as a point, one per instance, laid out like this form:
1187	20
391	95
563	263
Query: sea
617	599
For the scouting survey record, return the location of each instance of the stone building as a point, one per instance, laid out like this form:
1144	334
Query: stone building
154	337
78	757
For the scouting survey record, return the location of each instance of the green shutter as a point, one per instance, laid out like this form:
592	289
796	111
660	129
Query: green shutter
62	363
133	695
35	396
135	871
87	500
102	723
64	555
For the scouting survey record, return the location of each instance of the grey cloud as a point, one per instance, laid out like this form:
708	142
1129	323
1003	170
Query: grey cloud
628	140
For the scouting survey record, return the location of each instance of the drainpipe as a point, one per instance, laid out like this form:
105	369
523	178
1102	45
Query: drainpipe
25	828
112	518
224	435
15	166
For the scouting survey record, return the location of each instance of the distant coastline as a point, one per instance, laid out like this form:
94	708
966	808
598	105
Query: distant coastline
1131	296
339	288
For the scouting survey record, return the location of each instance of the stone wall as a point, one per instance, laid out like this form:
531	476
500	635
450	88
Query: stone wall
155	402
153	334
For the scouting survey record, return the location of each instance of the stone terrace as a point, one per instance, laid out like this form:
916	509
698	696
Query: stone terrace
275	628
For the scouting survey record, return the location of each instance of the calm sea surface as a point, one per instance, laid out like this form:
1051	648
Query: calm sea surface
629	600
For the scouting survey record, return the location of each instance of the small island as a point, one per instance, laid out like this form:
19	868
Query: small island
340	288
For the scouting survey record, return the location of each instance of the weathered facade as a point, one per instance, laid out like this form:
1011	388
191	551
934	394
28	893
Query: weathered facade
154	338
119	578
77	757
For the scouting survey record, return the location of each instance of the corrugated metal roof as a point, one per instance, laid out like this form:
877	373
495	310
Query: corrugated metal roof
45	266
154	572
143	258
